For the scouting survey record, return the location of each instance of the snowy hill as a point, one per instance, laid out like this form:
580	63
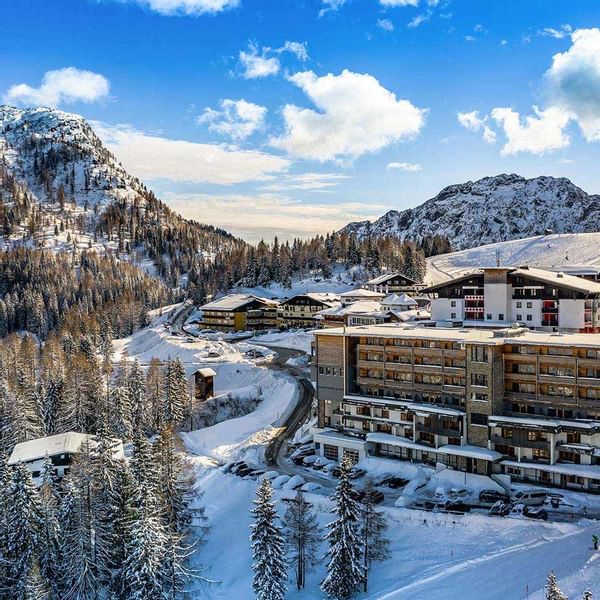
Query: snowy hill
564	251
493	209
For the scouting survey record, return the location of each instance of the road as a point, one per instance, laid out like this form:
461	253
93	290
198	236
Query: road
180	318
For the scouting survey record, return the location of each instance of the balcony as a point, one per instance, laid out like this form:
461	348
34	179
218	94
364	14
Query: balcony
430	387
369	381
451	433
428	368
365	363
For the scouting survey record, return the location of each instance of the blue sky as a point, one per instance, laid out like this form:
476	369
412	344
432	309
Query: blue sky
293	117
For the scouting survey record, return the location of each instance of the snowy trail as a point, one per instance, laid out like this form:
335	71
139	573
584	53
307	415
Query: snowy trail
508	572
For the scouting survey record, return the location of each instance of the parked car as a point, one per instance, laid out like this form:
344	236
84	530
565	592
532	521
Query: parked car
309	461
358	494
455	506
299	454
311	487
270	475
500	508
330	468
321	462
535	512
356	473
424	505
458	493
294	483
440	493
531	497
278	482
394	483
493	496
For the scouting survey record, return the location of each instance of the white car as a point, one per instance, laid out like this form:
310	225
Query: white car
270	475
440	493
308	461
321	463
280	481
311	487
294	483
531	497
328	468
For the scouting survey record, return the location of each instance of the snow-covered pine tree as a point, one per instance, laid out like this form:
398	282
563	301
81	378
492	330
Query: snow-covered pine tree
587	595
344	569
145	536
5	478
120	413
303	536
552	589
268	547
51	403
24	519
49	545
176	393
135	389
154	396
373	530
34	586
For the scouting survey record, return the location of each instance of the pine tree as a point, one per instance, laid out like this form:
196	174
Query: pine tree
135	391
34	586
587	595
5	478
303	536
374	527
120	413
553	591
344	569
268	547
176	394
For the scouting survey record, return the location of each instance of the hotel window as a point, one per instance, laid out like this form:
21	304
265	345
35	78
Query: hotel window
530	305
519	317
489	316
540	454
480	397
479	419
480	379
479	354
453	315
529	317
519	304
452	303
501	317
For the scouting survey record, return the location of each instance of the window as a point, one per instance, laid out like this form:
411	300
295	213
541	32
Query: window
479	397
351	454
330	452
488	316
480	379
500	316
453	315
519	317
540	454
453	303
479	354
530	305
529	317
478	419
519	304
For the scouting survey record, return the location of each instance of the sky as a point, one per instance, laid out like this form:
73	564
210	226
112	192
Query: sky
291	118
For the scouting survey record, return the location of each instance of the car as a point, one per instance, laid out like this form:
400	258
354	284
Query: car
270	475
500	508
280	481
244	471
321	462
535	512
356	473
531	497
456	506
394	483
311	487
424	505
294	483
329	468
457	493
493	496
358	494
309	461
440	493
303	450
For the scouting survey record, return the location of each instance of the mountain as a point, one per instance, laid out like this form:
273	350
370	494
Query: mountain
493	209
61	189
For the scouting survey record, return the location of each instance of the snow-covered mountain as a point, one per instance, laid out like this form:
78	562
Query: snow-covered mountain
60	188
493	209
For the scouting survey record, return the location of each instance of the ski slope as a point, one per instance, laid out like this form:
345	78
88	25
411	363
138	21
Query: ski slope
556	251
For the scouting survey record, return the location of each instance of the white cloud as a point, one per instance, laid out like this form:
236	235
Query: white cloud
237	119
573	81
473	122
559	34
394	3
385	24
403	166
419	19
257	216
186	7
152	157
258	64
470	38
355	115
317	182
62	86
331	5
299	49
537	134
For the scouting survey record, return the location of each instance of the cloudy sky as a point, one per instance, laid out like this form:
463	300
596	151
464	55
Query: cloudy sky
293	117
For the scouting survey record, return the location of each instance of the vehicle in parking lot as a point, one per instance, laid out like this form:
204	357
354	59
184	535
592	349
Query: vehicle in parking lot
358	494
309	461
294	483
440	493
321	462
330	468
531	497
531	512
456	506
458	493
376	496
394	483
311	487
278	482
493	496
355	472
500	508
270	475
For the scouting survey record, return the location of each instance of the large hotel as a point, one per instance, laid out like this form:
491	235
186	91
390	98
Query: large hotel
505	379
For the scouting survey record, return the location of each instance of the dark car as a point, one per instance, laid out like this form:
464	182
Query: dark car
394	483
244	471
535	512
298	457
492	496
354	473
500	508
457	506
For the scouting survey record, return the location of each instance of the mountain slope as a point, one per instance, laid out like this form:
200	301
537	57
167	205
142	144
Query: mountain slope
60	188
493	209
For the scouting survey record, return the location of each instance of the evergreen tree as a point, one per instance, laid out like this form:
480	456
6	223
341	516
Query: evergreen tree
120	413
303	536
587	595
135	391
344	569
553	591
268	547
5	478
34	586
176	393
374	527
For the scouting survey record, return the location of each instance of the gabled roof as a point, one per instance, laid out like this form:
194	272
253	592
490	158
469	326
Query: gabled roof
399	300
362	293
61	443
381	279
234	301
326	298
559	279
454	281
361	307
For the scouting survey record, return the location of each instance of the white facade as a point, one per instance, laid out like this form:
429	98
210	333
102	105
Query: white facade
571	314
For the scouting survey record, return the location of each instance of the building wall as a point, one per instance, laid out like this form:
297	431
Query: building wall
442	309
497	301
571	314
329	350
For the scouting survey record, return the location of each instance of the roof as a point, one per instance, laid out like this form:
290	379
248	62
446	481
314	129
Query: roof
399	300
418	407
324	297
411	315
394	440
588	471
360	307
384	278
234	301
470	452
61	443
206	372
362	293
336	436
541	422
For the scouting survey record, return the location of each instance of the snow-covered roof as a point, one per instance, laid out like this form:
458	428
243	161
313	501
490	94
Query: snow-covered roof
235	301
418	407
381	279
588	471
470	452
361	307
61	443
411	315
561	279
206	372
362	293
336	436
546	423
399	300
394	440
324	297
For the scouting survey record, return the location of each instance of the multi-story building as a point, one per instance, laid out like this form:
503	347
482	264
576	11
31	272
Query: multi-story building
536	298
489	401
239	312
300	310
394	283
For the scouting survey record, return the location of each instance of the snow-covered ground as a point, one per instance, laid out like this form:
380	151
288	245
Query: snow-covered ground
294	340
557	250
